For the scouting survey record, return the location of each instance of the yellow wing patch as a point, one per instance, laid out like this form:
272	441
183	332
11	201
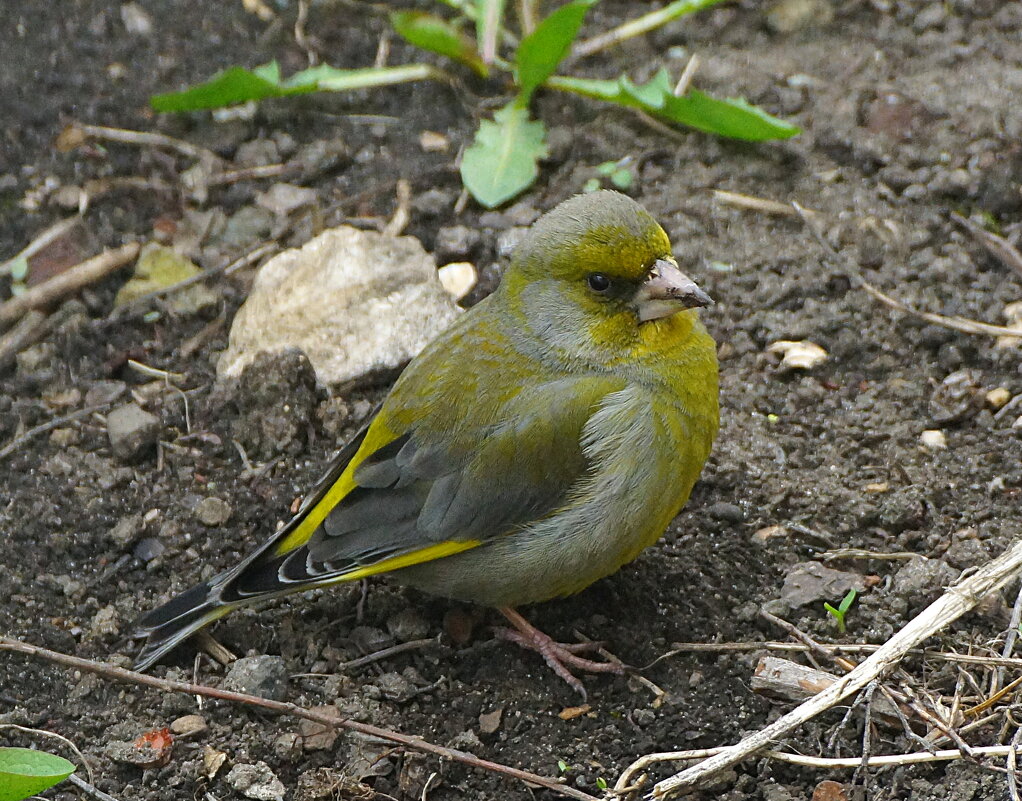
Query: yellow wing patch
427	554
377	436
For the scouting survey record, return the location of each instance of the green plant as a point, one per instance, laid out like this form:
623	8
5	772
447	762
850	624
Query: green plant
24	772
842	609
503	158
620	174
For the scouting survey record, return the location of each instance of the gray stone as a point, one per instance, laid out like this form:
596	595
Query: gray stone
213	511
357	303
396	687
105	623
922	576
407	625
256	781
132	431
247	225
149	549
456	242
125	531
104	392
265	676
808	582
728	512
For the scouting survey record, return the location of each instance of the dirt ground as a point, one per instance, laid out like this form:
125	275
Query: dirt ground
910	112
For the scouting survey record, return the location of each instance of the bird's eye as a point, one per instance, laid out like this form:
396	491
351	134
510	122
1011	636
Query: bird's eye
598	282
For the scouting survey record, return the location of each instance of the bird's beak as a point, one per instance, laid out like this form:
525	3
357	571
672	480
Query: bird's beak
666	291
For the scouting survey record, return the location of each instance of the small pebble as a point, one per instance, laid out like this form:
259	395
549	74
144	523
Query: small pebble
489	722
132	431
933	439
105	622
188	725
458	278
265	676
996	398
256	781
148	549
728	512
213	511
407	625
317	736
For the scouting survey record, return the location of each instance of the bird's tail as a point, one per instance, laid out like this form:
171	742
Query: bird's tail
178	619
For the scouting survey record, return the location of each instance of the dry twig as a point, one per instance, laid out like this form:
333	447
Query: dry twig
56	422
409	741
956	323
67	283
77	133
28	330
624	783
839	648
42	241
959	599
997	246
760	204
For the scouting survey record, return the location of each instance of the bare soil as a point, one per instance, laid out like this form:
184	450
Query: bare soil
910	111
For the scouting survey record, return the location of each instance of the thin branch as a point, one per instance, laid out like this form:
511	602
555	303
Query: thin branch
687	74
56	422
137	304
89	789
959	599
838	648
760	204
997	246
832	763
28	330
409	741
42	241
76	133
67	283
956	323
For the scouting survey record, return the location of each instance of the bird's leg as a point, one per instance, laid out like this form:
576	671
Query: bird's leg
559	656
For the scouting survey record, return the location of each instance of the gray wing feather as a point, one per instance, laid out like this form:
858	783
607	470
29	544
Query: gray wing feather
418	491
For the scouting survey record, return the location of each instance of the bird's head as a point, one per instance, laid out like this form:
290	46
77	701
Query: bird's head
599	266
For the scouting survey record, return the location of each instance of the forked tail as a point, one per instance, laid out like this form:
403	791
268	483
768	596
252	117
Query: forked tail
178	619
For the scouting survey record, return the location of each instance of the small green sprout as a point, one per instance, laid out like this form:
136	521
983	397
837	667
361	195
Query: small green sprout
842	609
563	766
620	174
601	782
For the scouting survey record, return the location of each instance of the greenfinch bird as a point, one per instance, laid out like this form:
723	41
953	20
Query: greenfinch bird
540	443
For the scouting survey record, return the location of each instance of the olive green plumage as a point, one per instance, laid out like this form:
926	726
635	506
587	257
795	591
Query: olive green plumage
545	439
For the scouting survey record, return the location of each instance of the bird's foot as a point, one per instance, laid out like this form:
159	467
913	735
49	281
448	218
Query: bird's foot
561	657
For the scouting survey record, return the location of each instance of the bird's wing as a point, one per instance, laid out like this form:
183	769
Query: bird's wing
400	495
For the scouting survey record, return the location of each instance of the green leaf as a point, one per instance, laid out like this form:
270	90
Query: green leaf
489	16
731	117
503	159
438	36
24	772
542	50
239	85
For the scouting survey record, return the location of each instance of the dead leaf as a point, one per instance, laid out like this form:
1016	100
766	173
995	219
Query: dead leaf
572	712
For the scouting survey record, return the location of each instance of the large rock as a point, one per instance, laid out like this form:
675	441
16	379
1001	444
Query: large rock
355	302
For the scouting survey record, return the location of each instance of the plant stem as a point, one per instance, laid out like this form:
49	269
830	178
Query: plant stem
640	25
